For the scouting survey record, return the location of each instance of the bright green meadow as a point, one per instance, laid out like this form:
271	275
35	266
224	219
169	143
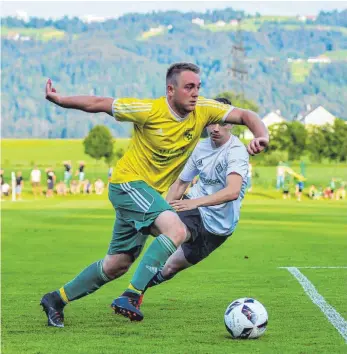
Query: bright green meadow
46	242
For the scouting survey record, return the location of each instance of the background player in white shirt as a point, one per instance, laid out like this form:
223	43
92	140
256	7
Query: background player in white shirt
211	209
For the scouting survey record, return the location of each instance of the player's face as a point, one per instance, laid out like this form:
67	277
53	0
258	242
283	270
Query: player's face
184	95
219	132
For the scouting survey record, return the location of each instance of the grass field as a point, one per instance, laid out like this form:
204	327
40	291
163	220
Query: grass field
46	242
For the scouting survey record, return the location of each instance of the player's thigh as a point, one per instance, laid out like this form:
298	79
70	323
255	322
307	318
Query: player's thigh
202	242
137	207
169	224
126	239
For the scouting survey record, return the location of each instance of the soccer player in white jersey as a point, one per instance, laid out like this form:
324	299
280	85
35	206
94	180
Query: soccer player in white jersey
211	209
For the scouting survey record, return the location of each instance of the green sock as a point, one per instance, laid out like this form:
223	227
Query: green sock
85	283
154	258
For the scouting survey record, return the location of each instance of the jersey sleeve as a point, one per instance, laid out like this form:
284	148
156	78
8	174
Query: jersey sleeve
190	170
215	111
132	110
238	161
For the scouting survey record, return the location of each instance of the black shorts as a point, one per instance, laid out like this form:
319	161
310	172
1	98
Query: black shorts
202	242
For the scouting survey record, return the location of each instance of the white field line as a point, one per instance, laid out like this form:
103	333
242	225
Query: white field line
315	267
330	313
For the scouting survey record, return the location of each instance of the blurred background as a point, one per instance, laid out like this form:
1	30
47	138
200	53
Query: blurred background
285	60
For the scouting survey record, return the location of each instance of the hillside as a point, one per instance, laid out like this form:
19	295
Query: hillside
291	62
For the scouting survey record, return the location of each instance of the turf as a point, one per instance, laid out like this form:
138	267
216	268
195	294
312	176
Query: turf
46	242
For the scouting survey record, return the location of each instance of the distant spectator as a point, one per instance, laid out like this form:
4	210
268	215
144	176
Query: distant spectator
286	189
50	182
2	181
280	175
61	188
298	190
67	173
35	178
75	187
87	187
327	194
341	192
99	186
110	170
313	192
19	185
5	189
332	187
80	172
249	177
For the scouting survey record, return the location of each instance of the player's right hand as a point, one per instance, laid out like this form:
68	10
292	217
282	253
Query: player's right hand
51	92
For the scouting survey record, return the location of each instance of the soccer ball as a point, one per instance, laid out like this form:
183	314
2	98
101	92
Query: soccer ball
246	318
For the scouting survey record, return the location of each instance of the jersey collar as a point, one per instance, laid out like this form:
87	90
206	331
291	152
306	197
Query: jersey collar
174	114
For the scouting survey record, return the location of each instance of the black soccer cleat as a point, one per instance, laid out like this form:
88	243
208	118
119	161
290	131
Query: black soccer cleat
54	308
128	305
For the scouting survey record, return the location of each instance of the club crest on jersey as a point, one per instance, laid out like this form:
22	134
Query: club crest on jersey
188	135
219	168
199	163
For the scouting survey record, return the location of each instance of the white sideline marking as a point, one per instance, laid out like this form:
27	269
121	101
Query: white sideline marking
331	314
315	267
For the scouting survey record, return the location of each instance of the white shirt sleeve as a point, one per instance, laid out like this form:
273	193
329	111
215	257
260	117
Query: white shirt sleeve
238	160
190	170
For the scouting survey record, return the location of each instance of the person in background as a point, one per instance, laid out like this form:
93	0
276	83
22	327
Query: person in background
286	189
99	186
332	187
80	172
35	179
19	185
280	175
67	173
298	190
50	182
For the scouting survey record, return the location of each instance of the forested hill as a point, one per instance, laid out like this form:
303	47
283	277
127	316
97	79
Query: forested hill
292	62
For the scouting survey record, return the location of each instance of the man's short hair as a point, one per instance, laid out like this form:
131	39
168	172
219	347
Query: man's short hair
223	100
175	69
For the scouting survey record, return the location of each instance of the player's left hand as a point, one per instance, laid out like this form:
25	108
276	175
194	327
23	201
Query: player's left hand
257	145
184	204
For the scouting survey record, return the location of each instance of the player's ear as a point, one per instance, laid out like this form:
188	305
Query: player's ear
170	89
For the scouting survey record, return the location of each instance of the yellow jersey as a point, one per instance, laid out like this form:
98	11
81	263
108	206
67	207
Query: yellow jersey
162	140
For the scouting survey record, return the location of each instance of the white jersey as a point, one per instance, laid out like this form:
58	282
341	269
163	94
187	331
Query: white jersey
213	165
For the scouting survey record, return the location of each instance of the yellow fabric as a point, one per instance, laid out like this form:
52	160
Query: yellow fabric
63	295
161	143
131	287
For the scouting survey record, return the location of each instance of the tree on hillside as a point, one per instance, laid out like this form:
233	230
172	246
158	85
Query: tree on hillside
99	143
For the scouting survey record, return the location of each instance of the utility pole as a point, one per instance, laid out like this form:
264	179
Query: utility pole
238	69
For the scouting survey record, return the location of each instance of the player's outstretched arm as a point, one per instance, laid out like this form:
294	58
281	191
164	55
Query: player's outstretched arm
255	125
177	190
90	104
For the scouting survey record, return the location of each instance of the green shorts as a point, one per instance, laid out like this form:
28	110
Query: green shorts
137	205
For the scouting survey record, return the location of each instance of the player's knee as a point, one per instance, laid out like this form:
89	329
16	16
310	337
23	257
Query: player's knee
115	266
171	270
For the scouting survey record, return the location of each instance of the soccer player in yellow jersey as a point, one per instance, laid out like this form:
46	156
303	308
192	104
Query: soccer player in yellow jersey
166	132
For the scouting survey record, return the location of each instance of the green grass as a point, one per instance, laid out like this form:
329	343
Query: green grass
43	34
300	71
46	242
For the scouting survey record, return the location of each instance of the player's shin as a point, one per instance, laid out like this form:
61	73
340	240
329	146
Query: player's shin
85	283
154	258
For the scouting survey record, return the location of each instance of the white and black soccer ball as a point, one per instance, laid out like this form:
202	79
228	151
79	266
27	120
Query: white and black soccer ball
246	318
